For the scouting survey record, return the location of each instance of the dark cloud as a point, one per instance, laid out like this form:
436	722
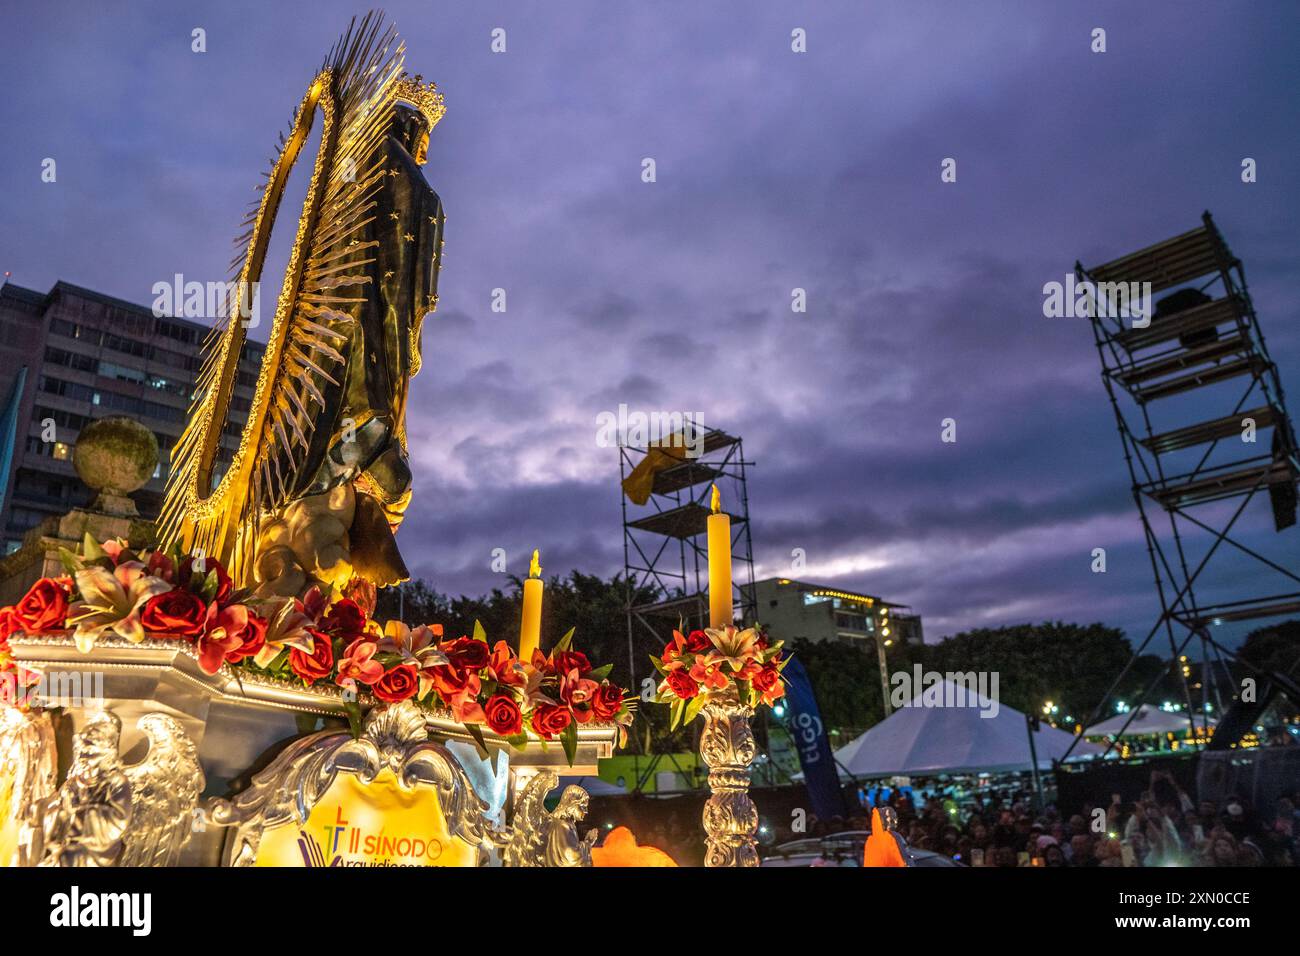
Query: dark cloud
775	172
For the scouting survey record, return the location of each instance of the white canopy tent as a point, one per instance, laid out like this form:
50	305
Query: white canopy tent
920	740
1147	720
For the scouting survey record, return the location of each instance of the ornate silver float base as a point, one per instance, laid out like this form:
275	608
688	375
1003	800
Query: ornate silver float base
201	736
730	817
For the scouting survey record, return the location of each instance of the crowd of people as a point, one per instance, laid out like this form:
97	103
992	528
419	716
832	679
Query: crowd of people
1165	827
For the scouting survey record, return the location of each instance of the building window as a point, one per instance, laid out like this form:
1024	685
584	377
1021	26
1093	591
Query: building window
21	519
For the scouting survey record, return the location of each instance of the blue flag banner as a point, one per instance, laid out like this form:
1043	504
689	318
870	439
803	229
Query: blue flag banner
812	744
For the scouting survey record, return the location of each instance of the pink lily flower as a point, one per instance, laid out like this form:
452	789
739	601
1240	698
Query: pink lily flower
357	664
223	634
708	672
418	646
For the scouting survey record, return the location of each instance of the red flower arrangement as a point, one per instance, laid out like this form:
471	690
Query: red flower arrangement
318	641
722	661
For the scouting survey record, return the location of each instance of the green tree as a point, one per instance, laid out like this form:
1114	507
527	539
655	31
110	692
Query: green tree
1071	665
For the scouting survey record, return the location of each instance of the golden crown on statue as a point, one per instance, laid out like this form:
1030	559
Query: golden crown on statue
423	96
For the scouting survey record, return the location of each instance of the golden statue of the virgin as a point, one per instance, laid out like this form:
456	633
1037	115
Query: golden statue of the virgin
320	480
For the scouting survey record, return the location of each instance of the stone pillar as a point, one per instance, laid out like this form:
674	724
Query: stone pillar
114	456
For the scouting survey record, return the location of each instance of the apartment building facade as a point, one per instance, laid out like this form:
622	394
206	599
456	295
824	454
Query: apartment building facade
72	355
793	609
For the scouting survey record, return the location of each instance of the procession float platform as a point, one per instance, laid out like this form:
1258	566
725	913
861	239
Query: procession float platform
239	727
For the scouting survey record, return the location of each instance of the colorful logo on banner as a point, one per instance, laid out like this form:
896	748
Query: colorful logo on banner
812	744
368	824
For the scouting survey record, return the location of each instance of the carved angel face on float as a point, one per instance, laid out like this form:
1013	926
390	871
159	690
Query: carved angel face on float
96	746
573	804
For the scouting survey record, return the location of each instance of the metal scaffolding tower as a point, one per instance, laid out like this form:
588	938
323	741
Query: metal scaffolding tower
1203	340
664	543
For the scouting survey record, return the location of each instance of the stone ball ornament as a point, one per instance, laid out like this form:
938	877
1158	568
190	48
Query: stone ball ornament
115	455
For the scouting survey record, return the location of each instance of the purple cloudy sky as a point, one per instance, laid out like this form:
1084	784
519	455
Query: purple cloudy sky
775	171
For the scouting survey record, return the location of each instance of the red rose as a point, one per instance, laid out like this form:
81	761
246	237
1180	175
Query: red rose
681	684
550	719
397	684
43	608
319	663
8	623
607	701
176	613
253	636
564	661
188	578
467	653
697	642
503	715
344	619
767	678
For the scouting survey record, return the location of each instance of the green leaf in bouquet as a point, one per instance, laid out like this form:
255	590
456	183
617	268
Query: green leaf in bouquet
71	563
353	708
479	742
518	741
564	643
693	707
679	709
569	741
659	665
600	673
479	633
91	549
208	590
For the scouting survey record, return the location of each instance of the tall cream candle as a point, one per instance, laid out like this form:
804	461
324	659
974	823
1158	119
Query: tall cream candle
719	541
530	628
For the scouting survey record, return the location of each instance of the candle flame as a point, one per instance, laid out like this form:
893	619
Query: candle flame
534	569
716	505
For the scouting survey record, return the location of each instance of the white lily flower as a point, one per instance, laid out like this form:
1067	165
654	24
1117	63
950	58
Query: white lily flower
111	600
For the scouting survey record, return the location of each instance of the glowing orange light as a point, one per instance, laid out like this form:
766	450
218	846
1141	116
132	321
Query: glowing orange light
621	849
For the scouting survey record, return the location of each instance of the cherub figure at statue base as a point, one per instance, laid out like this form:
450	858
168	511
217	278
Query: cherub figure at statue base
82	824
338	539
537	837
108	813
